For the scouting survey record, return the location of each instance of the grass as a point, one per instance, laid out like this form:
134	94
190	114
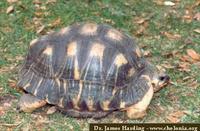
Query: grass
18	28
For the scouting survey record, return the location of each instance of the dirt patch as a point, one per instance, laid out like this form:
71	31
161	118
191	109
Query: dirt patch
6	102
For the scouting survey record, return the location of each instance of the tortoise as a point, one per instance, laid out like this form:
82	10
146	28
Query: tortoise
88	70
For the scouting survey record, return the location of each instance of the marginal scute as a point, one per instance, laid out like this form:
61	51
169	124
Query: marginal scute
60	104
47	98
138	52
114	35
97	50
120	60
27	85
105	105
72	48
48	51
89	29
90	104
80	90
75	103
33	42
64	30
122	104
77	99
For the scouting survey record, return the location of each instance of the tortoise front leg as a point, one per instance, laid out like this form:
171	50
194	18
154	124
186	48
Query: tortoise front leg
28	103
138	110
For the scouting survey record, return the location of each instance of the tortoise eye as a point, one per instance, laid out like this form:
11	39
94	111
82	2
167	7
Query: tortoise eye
161	78
164	78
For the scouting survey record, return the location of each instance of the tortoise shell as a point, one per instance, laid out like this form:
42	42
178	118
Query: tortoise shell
85	67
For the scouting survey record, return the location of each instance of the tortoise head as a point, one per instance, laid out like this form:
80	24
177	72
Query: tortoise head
158	78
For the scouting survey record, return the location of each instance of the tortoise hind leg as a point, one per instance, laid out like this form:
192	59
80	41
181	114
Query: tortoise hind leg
85	114
28	103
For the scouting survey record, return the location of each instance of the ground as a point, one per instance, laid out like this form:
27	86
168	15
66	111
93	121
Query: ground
167	31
